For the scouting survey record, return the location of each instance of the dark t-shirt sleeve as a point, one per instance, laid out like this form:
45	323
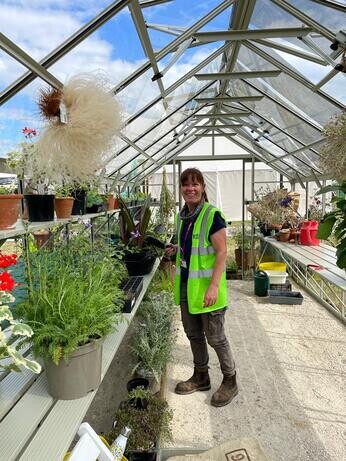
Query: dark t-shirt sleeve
219	223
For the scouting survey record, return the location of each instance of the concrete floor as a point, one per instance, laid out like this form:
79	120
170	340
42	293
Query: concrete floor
291	377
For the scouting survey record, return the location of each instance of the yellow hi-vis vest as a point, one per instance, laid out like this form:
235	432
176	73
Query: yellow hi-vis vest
202	263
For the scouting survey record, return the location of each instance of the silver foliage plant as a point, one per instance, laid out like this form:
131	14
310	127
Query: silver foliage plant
333	152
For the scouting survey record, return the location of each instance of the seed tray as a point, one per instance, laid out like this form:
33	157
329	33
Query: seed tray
132	288
281	286
285	297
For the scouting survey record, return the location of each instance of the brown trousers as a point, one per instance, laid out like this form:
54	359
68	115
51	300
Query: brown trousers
203	328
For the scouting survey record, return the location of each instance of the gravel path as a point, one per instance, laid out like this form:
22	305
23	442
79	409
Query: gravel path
291	369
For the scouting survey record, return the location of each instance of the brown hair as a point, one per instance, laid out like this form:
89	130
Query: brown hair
193	174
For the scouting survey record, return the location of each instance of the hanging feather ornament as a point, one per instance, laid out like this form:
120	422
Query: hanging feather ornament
83	121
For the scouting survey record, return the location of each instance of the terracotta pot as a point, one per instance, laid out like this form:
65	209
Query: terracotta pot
63	207
110	202
42	237
9	210
284	235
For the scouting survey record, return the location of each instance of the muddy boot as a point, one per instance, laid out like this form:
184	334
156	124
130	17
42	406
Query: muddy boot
226	392
199	381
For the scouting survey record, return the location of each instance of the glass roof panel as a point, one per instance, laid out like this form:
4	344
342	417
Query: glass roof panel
100	52
336	87
18	112
138	94
310	104
332	19
267	15
179	13
27	22
10	70
190	58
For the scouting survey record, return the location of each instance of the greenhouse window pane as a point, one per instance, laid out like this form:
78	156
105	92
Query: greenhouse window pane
28	22
19	112
10	70
102	53
329	18
336	87
138	94
179	13
267	15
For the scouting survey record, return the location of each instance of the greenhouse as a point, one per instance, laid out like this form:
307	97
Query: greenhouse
172	230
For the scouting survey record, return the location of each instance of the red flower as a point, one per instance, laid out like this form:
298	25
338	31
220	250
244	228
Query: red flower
8	260
29	132
6	282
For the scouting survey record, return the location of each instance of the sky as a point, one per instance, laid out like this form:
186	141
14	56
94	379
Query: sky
39	26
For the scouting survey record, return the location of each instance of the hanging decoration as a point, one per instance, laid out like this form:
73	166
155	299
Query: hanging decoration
83	119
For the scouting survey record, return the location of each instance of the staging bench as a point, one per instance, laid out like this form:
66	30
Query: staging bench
302	261
33	425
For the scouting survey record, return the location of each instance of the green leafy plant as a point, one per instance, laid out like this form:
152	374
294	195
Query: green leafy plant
147	425
64	191
334	222
73	299
94	197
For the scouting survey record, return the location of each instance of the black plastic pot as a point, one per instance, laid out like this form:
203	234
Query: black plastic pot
141	455
139	263
40	207
79	204
96	208
137	382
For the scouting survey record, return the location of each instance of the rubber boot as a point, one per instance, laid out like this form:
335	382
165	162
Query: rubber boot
199	381
226	392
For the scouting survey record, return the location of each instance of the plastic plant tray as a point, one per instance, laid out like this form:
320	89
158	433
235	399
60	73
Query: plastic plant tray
132	287
281	286
285	297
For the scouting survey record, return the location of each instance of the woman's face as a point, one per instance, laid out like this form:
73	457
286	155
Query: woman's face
192	192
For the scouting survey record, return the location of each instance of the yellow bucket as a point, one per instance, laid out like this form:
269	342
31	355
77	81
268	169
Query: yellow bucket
272	266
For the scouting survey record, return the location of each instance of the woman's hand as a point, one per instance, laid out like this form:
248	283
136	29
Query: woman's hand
171	249
210	296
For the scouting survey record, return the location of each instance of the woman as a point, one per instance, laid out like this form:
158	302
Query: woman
200	287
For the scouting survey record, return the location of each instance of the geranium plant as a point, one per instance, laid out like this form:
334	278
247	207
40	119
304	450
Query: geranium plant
10	350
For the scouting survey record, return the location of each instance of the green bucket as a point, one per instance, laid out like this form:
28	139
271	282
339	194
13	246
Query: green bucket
261	283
